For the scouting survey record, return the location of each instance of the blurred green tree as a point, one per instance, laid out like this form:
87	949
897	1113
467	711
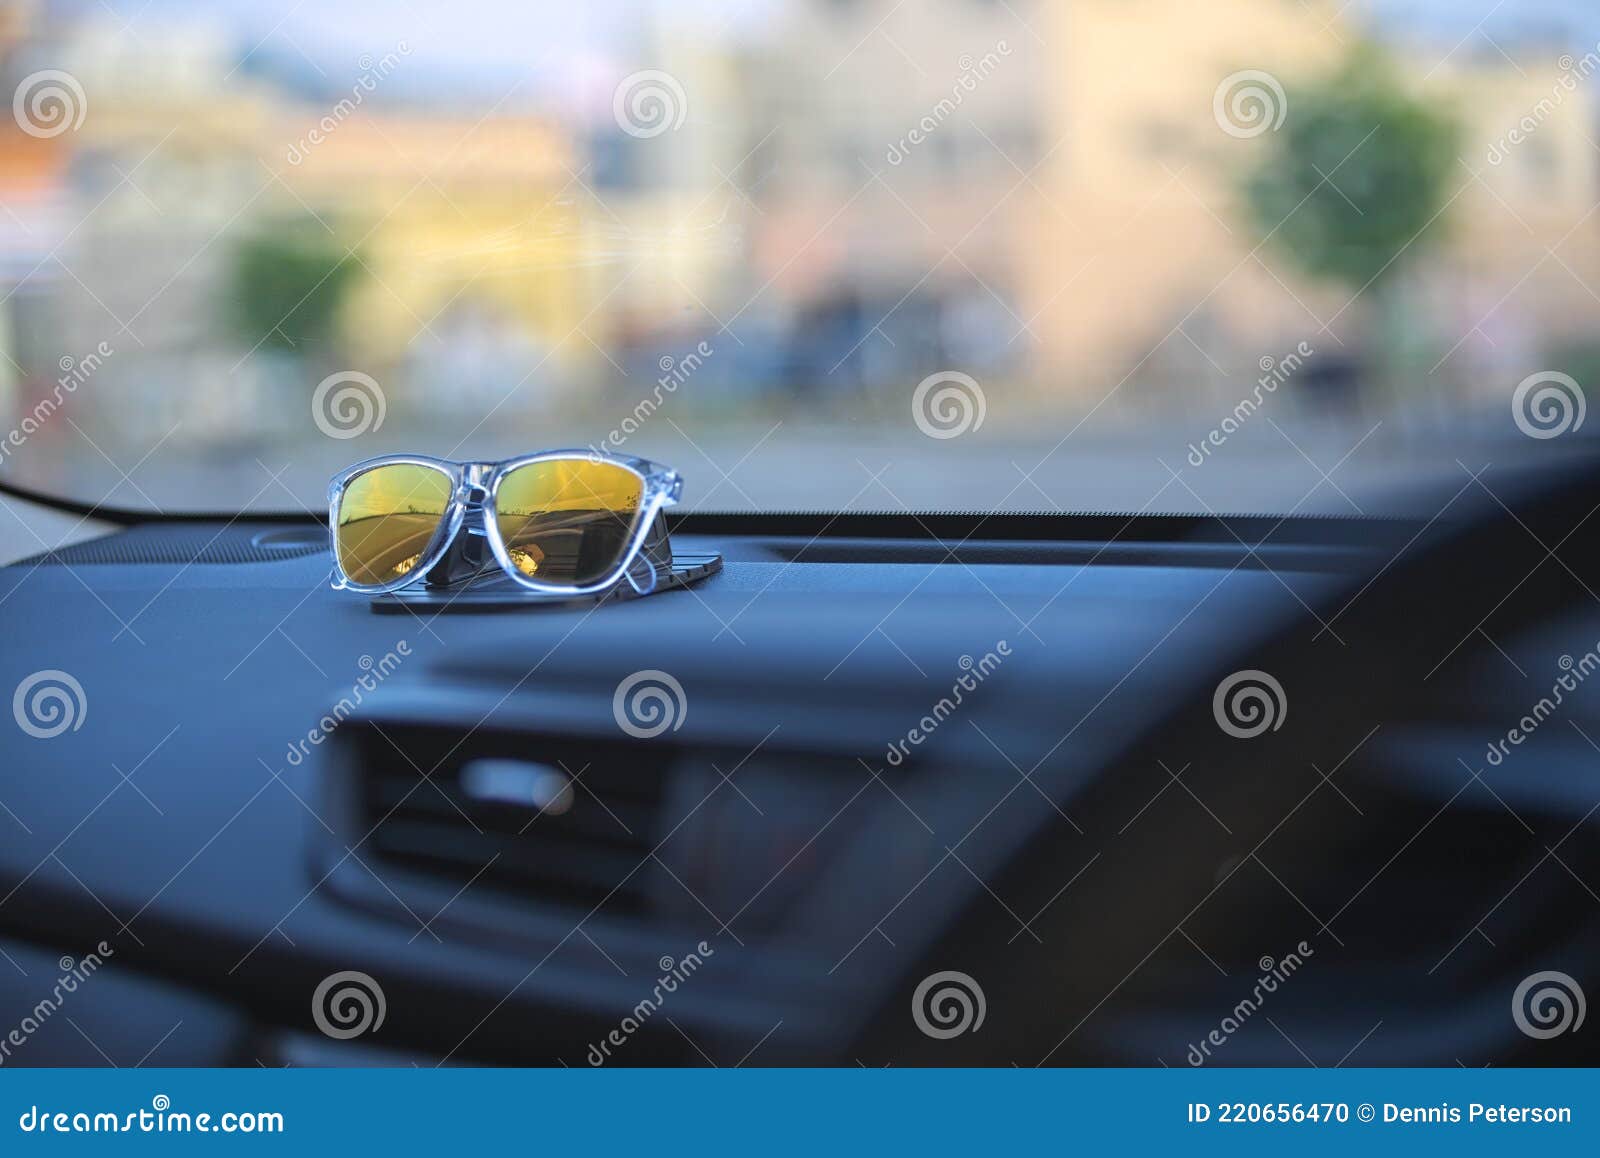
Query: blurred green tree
1352	188
287	285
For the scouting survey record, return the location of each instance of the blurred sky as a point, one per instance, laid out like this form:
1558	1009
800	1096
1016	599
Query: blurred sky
1580	18
499	38
564	57
496	37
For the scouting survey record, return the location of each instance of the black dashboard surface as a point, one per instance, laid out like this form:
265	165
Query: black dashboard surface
1075	833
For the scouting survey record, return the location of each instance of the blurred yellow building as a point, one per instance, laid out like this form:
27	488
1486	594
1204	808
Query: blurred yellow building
502	216
1139	249
1143	266
442	210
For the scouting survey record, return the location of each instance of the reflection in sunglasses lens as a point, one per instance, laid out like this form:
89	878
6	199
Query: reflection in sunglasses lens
567	521
386	518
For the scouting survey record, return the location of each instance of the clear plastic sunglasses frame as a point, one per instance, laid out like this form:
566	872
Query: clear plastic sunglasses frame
474	486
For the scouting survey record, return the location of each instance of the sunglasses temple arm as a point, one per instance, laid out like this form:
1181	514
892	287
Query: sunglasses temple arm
652	566
657	547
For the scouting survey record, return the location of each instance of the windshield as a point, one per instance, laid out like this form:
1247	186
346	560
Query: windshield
1247	255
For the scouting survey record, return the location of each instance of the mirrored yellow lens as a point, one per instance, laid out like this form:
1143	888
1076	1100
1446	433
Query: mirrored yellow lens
567	521
386	518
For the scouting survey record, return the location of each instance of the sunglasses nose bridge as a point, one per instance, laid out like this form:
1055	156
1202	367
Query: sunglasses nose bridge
475	483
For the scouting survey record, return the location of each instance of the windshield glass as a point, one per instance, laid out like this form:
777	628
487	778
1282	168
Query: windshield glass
1247	255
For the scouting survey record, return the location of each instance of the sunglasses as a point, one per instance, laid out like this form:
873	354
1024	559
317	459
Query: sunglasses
563	523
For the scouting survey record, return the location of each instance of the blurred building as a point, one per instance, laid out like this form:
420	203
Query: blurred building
891	146
468	237
32	184
160	171
1139	253
1145	275
864	192
1518	286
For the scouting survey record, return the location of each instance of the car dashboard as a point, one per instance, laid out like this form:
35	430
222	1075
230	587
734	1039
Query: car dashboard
773	817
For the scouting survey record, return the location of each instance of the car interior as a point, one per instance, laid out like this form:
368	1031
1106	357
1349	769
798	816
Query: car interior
799	533
480	835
